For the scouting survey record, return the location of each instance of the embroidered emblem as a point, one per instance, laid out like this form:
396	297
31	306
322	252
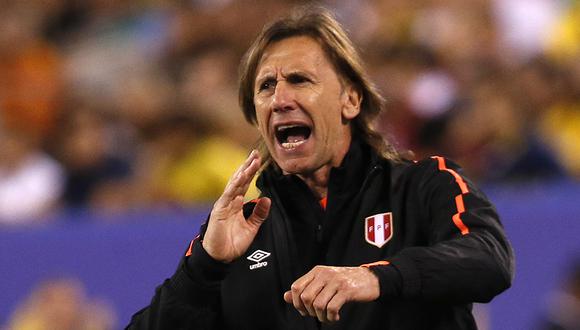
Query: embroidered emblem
379	229
257	257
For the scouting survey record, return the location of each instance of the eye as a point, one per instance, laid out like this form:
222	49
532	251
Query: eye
267	84
296	78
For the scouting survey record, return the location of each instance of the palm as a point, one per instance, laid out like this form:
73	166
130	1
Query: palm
229	233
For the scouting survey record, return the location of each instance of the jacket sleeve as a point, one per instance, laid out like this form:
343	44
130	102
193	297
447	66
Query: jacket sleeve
467	257
190	299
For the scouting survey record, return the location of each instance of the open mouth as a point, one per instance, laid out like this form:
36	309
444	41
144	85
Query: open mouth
291	136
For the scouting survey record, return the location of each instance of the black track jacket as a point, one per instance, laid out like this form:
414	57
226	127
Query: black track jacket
440	235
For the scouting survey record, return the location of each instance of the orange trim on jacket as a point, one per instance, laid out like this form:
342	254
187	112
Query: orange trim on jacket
459	204
376	263
323	203
188	253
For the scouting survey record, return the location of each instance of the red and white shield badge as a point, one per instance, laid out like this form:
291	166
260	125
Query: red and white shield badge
379	229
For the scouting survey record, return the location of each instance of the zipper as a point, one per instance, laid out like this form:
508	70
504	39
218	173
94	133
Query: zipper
371	174
366	181
319	233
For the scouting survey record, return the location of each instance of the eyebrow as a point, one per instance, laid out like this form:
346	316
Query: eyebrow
299	72
265	76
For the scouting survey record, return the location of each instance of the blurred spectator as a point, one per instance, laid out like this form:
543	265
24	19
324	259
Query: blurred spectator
526	25
491	134
564	304
61	304
185	162
119	42
396	70
562	130
564	41
561	122
98	168
31	182
142	99
461	33
30	76
208	89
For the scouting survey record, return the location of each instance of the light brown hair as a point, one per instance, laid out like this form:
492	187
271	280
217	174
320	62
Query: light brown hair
319	24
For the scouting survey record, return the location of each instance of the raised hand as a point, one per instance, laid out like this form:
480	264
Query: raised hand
229	234
323	291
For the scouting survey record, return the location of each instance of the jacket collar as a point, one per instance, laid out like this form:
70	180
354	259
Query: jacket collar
348	177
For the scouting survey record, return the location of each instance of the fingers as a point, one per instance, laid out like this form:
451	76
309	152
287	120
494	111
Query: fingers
241	179
312	293
247	175
296	289
323	291
334	306
312	297
320	304
260	212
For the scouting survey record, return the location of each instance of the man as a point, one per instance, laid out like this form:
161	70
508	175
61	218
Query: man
345	235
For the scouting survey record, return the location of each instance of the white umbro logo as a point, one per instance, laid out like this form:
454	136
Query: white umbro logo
257	257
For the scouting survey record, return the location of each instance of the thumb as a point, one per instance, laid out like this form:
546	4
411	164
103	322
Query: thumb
261	211
288	296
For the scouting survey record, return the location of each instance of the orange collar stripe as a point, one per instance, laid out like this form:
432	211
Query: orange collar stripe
323	202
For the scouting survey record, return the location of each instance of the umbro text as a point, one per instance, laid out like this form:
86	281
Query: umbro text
259	265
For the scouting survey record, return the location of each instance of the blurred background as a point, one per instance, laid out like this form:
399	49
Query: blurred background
119	126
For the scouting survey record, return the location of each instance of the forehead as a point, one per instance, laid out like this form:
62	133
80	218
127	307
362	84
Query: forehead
300	52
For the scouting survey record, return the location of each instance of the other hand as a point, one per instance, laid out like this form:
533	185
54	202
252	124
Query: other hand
323	291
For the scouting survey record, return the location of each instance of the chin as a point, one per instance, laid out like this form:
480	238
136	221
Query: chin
294	166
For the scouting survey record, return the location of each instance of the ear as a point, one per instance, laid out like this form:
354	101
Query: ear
352	99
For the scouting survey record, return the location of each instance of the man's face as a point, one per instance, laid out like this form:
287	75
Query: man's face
302	107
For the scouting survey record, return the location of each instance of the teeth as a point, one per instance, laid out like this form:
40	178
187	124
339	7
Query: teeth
283	127
294	140
292	145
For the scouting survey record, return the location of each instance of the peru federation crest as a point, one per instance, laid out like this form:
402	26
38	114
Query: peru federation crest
379	229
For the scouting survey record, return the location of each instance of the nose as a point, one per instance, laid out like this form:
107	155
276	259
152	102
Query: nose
283	99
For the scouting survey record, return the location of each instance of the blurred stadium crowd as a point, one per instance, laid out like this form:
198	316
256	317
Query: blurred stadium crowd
116	105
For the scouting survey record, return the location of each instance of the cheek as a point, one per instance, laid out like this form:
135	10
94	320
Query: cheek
262	121
333	116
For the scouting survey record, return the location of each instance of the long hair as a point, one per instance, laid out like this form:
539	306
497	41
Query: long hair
319	24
